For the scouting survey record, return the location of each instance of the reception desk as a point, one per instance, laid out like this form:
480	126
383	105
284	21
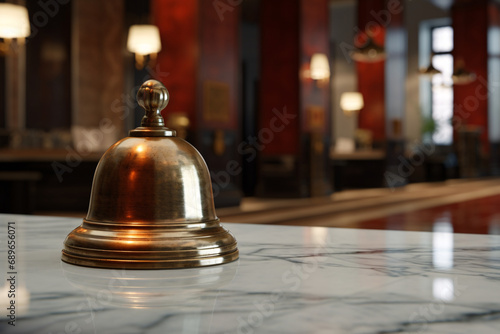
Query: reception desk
42	180
287	280
359	169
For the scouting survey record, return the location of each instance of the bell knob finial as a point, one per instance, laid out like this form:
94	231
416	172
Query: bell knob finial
153	97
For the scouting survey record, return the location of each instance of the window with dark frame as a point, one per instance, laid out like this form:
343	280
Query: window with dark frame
442	84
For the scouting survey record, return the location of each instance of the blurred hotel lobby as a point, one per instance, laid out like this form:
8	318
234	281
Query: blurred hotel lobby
373	114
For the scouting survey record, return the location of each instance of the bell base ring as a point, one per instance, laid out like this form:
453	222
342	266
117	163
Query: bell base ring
147	264
167	245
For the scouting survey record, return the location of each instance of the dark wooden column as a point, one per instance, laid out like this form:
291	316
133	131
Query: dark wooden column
198	64
294	117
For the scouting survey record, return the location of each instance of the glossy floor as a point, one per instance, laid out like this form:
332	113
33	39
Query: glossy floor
480	215
465	206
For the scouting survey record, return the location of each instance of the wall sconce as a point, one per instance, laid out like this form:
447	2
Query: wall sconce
144	41
14	23
351	102
320	68
370	52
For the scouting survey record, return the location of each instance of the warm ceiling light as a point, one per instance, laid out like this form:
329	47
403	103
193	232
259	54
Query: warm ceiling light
144	39
320	68
460	75
369	52
430	70
351	102
14	21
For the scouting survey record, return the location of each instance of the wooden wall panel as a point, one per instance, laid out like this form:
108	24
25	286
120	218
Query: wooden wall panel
97	57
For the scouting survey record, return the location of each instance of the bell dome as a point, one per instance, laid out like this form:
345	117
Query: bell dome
151	180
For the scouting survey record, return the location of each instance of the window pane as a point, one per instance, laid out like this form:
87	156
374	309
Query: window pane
442	99
442	39
444	63
442	112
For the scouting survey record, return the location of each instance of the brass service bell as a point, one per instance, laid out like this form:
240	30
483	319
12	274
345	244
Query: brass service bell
151	205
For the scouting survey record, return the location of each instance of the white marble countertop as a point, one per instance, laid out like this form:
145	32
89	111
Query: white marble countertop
287	280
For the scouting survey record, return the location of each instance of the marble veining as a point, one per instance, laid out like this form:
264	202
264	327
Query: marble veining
287	280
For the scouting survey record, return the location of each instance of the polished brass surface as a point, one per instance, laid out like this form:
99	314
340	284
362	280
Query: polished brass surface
151	205
153	97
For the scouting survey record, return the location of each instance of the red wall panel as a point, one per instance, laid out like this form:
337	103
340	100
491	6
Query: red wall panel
219	42
280	72
314	38
288	40
470	30
371	76
178	24
197	46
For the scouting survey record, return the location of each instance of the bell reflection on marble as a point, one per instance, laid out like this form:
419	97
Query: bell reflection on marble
149	289
151	205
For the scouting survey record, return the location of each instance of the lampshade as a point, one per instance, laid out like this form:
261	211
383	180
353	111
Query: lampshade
14	21
320	69
429	70
460	75
144	39
351	101
369	52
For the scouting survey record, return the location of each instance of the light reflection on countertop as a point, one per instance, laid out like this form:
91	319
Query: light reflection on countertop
287	280
442	243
